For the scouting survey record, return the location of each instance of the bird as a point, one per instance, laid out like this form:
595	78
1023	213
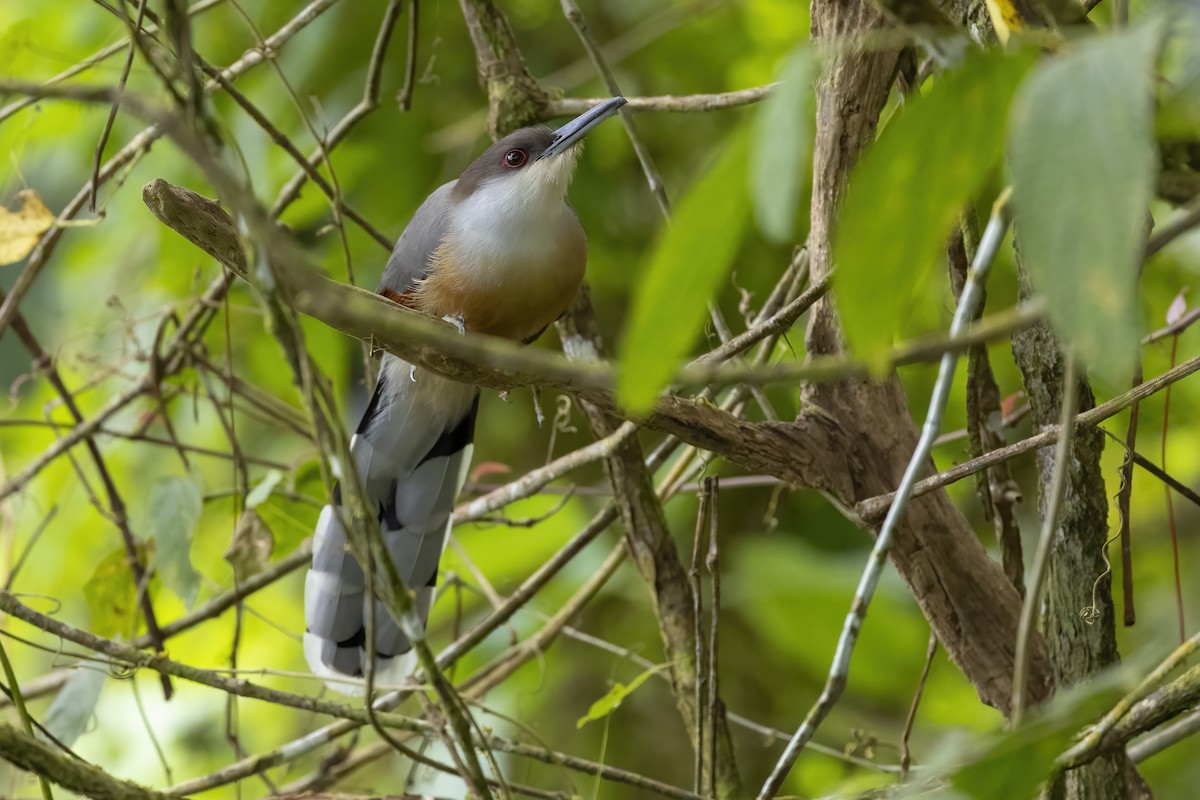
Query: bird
497	251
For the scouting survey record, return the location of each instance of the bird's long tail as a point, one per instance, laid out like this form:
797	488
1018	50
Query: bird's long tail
412	450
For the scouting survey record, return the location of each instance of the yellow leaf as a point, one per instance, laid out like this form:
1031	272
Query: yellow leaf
21	229
1006	18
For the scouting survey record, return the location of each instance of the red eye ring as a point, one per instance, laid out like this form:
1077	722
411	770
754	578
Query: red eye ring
515	158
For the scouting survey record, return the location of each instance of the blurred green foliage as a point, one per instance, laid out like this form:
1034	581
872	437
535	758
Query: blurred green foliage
1085	259
689	263
924	199
791	560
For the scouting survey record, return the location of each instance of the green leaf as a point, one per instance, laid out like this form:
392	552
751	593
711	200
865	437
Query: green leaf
616	695
112	594
173	507
1083	166
260	493
691	257
780	152
74	704
1012	764
910	189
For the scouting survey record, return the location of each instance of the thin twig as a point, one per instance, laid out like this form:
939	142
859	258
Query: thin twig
839	671
1137	458
116	504
133	150
702	513
1168	233
404	96
112	113
911	719
575	16
99	57
1175	328
532	482
14	691
1124	494
676	103
1169	736
1091	740
712	563
873	507
1166	425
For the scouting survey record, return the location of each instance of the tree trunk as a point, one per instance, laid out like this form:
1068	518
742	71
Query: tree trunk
866	428
1079	622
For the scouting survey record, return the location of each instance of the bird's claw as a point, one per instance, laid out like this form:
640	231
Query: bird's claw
457	321
537	406
504	396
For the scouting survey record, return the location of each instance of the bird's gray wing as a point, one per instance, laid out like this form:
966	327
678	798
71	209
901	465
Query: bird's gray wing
409	262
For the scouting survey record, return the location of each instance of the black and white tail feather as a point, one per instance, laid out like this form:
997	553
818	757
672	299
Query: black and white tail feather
412	450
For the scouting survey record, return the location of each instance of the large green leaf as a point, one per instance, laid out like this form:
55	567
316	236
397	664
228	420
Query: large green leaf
173	507
910	188
691	257
112	594
1083	165
782	134
1012	764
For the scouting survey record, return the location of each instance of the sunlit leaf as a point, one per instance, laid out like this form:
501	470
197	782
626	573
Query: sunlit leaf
910	188
616	695
693	254
250	550
780	150
173	507
1083	166
112	594
74	704
20	230
259	494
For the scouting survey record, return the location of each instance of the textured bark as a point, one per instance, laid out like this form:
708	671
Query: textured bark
1079	620
80	777
998	493
514	97
867	427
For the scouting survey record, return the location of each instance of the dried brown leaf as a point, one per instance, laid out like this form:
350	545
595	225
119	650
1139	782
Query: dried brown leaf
20	230
250	550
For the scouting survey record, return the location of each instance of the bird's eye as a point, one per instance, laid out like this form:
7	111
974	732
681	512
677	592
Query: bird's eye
515	158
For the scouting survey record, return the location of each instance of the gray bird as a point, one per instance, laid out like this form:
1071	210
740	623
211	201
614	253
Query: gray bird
498	251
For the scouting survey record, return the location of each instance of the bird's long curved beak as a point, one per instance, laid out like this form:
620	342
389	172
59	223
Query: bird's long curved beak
579	127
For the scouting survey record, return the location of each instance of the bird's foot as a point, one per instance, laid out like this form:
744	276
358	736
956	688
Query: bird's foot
457	321
537	406
504	396
412	373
